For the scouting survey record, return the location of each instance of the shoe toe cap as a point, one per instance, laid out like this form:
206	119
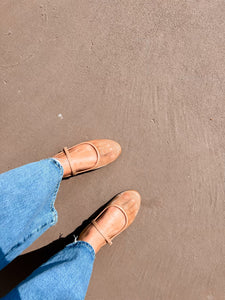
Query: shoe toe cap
109	150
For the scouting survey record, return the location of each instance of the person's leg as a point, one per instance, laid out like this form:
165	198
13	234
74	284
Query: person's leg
67	274
27	194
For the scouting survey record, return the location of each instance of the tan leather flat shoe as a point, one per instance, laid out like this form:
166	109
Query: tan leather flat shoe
105	152
106	223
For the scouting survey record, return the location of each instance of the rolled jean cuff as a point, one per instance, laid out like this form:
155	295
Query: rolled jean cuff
58	164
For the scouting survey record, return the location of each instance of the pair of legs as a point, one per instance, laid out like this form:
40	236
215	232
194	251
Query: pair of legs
27	210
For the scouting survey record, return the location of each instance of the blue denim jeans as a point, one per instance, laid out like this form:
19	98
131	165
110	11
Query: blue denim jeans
27	196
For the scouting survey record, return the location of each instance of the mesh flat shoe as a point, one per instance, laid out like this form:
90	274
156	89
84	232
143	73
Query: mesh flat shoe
106	152
128	203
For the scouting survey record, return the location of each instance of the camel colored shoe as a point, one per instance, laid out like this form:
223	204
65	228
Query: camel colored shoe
107	225
105	151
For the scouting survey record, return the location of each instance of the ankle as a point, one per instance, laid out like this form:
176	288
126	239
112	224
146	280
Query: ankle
89	236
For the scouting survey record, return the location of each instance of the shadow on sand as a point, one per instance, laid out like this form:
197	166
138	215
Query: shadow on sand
22	266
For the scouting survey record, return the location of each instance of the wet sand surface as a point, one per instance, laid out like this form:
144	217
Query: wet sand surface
150	75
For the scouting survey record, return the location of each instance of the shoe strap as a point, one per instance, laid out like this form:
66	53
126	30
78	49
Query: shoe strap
69	158
103	234
97	152
99	229
124	213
